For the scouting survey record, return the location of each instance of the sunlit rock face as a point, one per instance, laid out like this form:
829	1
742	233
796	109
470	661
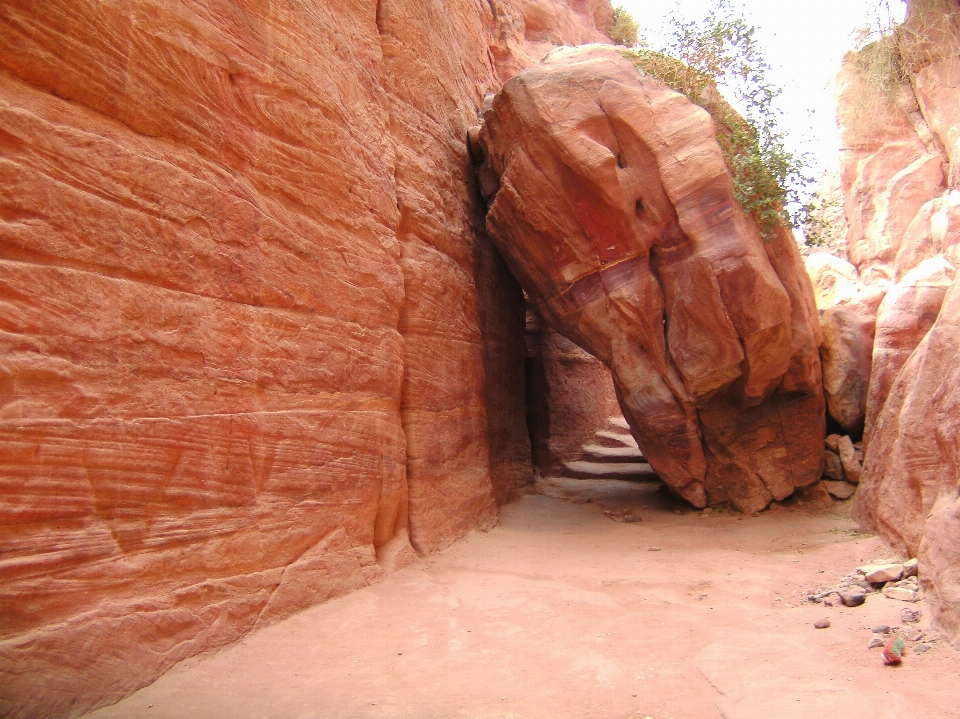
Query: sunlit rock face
610	200
254	342
901	196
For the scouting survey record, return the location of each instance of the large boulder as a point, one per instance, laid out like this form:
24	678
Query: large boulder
848	317
610	199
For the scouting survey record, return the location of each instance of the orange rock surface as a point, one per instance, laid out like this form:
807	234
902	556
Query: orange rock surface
611	202
254	342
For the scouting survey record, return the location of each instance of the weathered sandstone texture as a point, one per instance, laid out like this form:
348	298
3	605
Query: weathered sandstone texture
254	340
900	132
610	200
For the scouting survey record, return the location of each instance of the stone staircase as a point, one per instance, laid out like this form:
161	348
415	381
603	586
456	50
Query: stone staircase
613	454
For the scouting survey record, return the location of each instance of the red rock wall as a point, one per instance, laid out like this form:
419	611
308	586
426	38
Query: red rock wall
901	196
249	323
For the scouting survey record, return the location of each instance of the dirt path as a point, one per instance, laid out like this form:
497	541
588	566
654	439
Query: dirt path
563	612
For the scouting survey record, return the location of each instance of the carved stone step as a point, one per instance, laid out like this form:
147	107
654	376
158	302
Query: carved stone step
617	423
606	438
609	470
599	453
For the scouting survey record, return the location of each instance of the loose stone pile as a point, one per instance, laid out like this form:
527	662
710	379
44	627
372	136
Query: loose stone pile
842	464
892	579
920	641
895	580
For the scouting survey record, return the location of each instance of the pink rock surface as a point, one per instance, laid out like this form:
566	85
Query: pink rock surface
910	475
848	315
249	316
910	481
930	47
935	231
903	319
890	164
611	202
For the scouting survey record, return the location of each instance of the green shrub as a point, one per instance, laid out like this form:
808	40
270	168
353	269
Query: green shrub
767	178
624	29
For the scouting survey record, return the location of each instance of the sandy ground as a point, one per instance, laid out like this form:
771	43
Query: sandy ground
562	611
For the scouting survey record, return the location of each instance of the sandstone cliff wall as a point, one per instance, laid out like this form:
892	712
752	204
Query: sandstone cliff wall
253	341
900	124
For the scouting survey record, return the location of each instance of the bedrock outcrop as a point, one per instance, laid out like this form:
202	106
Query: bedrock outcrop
897	110
253	340
611	202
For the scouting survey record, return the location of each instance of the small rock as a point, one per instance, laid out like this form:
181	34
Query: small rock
881	629
832	442
852	597
822	623
909	616
910	568
913	634
921	648
902	594
875	642
893	651
832	467
653	549
840	490
879	573
678	511
848	458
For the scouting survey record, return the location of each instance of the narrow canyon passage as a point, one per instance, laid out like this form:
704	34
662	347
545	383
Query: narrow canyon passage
562	612
300	304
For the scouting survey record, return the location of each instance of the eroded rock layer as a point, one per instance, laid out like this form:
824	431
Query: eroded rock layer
252	341
900	125
609	198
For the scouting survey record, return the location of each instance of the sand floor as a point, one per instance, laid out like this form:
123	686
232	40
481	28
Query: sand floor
562	611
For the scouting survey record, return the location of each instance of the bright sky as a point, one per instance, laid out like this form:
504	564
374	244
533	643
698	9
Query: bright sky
802	40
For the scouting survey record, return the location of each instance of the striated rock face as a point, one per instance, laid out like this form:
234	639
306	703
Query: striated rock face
610	200
255	342
900	186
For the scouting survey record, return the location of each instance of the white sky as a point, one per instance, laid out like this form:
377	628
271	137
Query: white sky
803	41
